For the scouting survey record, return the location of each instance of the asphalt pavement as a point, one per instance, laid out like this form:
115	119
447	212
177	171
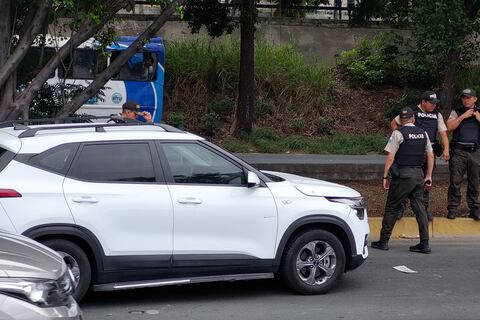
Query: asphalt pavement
445	287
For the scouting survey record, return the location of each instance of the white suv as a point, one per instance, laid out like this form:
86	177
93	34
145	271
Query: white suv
132	205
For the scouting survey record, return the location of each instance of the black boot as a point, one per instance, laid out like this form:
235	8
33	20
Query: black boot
381	245
474	214
422	247
451	215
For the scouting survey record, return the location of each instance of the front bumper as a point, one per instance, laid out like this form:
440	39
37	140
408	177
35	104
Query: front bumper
355	262
12	308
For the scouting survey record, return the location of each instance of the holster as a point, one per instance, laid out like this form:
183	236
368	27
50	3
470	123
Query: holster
437	149
394	171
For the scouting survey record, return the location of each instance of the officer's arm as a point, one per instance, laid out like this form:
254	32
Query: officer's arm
388	163
445	144
430	161
386	169
454	120
394	124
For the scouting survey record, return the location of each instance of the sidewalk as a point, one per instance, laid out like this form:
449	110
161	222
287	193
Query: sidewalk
364	168
407	228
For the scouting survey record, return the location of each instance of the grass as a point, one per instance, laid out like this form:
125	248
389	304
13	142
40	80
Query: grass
265	140
202	76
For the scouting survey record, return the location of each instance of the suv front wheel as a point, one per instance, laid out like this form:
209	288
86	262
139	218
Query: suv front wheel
313	262
76	260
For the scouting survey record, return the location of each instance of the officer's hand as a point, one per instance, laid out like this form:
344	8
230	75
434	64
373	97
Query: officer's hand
446	155
468	113
477	115
147	116
428	182
386	184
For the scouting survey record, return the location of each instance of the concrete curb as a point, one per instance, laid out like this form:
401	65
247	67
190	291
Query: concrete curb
407	228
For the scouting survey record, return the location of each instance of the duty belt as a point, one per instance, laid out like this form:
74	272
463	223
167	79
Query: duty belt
465	146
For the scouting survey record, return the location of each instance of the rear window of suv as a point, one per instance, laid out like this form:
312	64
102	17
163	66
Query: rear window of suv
5	158
57	159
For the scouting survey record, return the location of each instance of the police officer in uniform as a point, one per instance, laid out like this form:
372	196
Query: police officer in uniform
131	110
406	147
429	119
465	124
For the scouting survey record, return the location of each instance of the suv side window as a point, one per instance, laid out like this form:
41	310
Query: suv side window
195	164
57	159
114	162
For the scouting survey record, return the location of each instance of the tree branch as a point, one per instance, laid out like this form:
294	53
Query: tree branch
115	66
32	28
85	31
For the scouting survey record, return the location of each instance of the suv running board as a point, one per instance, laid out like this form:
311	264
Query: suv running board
179	281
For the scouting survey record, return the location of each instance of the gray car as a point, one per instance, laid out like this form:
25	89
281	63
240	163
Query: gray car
35	282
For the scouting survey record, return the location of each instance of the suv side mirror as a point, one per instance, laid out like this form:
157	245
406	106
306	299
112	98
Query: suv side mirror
253	180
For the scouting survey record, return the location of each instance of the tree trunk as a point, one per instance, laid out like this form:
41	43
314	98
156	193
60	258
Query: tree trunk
32	28
115	66
6	93
246	86
86	31
447	91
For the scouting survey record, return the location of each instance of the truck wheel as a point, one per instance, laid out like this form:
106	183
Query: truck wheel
77	261
313	262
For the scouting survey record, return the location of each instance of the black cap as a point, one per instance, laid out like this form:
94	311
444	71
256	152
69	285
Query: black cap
406	113
131	105
468	93
430	96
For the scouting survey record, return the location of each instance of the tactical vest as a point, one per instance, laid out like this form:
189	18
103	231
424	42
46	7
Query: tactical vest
411	152
468	130
428	121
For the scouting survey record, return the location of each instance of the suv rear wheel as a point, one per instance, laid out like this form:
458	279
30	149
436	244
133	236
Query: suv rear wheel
313	262
76	260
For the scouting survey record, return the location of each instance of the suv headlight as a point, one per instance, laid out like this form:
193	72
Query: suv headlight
357	204
41	292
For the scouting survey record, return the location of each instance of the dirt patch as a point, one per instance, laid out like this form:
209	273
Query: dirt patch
376	196
359	110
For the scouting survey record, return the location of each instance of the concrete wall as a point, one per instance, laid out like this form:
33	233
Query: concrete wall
316	40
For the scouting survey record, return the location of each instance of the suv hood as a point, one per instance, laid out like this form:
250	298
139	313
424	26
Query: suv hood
315	187
22	257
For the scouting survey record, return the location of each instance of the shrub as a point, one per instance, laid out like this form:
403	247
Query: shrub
408	99
324	125
264	134
299	124
177	119
237	146
222	107
211	122
374	62
262	108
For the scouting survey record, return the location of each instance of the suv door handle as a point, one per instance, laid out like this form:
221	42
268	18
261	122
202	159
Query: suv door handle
84	200
189	200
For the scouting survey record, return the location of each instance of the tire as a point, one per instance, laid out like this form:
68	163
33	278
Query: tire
77	261
316	273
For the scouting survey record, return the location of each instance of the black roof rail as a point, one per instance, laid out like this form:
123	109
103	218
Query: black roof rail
26	122
116	121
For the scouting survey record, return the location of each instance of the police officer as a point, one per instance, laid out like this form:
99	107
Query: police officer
406	147
429	119
131	110
465	124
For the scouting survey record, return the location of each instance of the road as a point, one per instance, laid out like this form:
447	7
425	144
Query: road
447	286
